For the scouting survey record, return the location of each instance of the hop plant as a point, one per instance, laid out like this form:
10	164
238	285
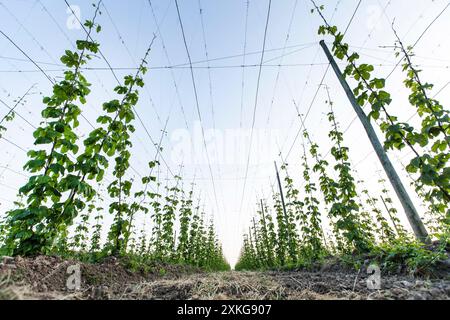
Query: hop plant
35	228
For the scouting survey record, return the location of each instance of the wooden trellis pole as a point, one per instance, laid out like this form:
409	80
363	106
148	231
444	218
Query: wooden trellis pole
411	213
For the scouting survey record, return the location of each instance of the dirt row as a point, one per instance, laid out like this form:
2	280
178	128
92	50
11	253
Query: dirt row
47	278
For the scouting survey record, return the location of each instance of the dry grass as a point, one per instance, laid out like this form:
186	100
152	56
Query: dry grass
234	285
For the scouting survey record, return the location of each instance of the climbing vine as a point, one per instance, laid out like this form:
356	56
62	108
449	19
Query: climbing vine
311	223
434	132
346	210
34	228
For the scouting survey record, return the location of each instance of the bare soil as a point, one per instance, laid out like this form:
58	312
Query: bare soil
45	278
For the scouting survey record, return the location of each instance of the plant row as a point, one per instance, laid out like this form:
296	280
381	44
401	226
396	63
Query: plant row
334	214
58	211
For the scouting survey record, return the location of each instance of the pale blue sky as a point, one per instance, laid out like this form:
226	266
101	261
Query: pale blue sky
30	25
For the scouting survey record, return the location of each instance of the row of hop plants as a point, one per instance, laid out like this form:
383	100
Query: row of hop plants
59	211
430	143
360	222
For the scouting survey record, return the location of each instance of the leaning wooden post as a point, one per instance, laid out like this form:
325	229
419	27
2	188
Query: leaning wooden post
255	236
266	236
390	215
410	211
286	220
250	237
258	249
